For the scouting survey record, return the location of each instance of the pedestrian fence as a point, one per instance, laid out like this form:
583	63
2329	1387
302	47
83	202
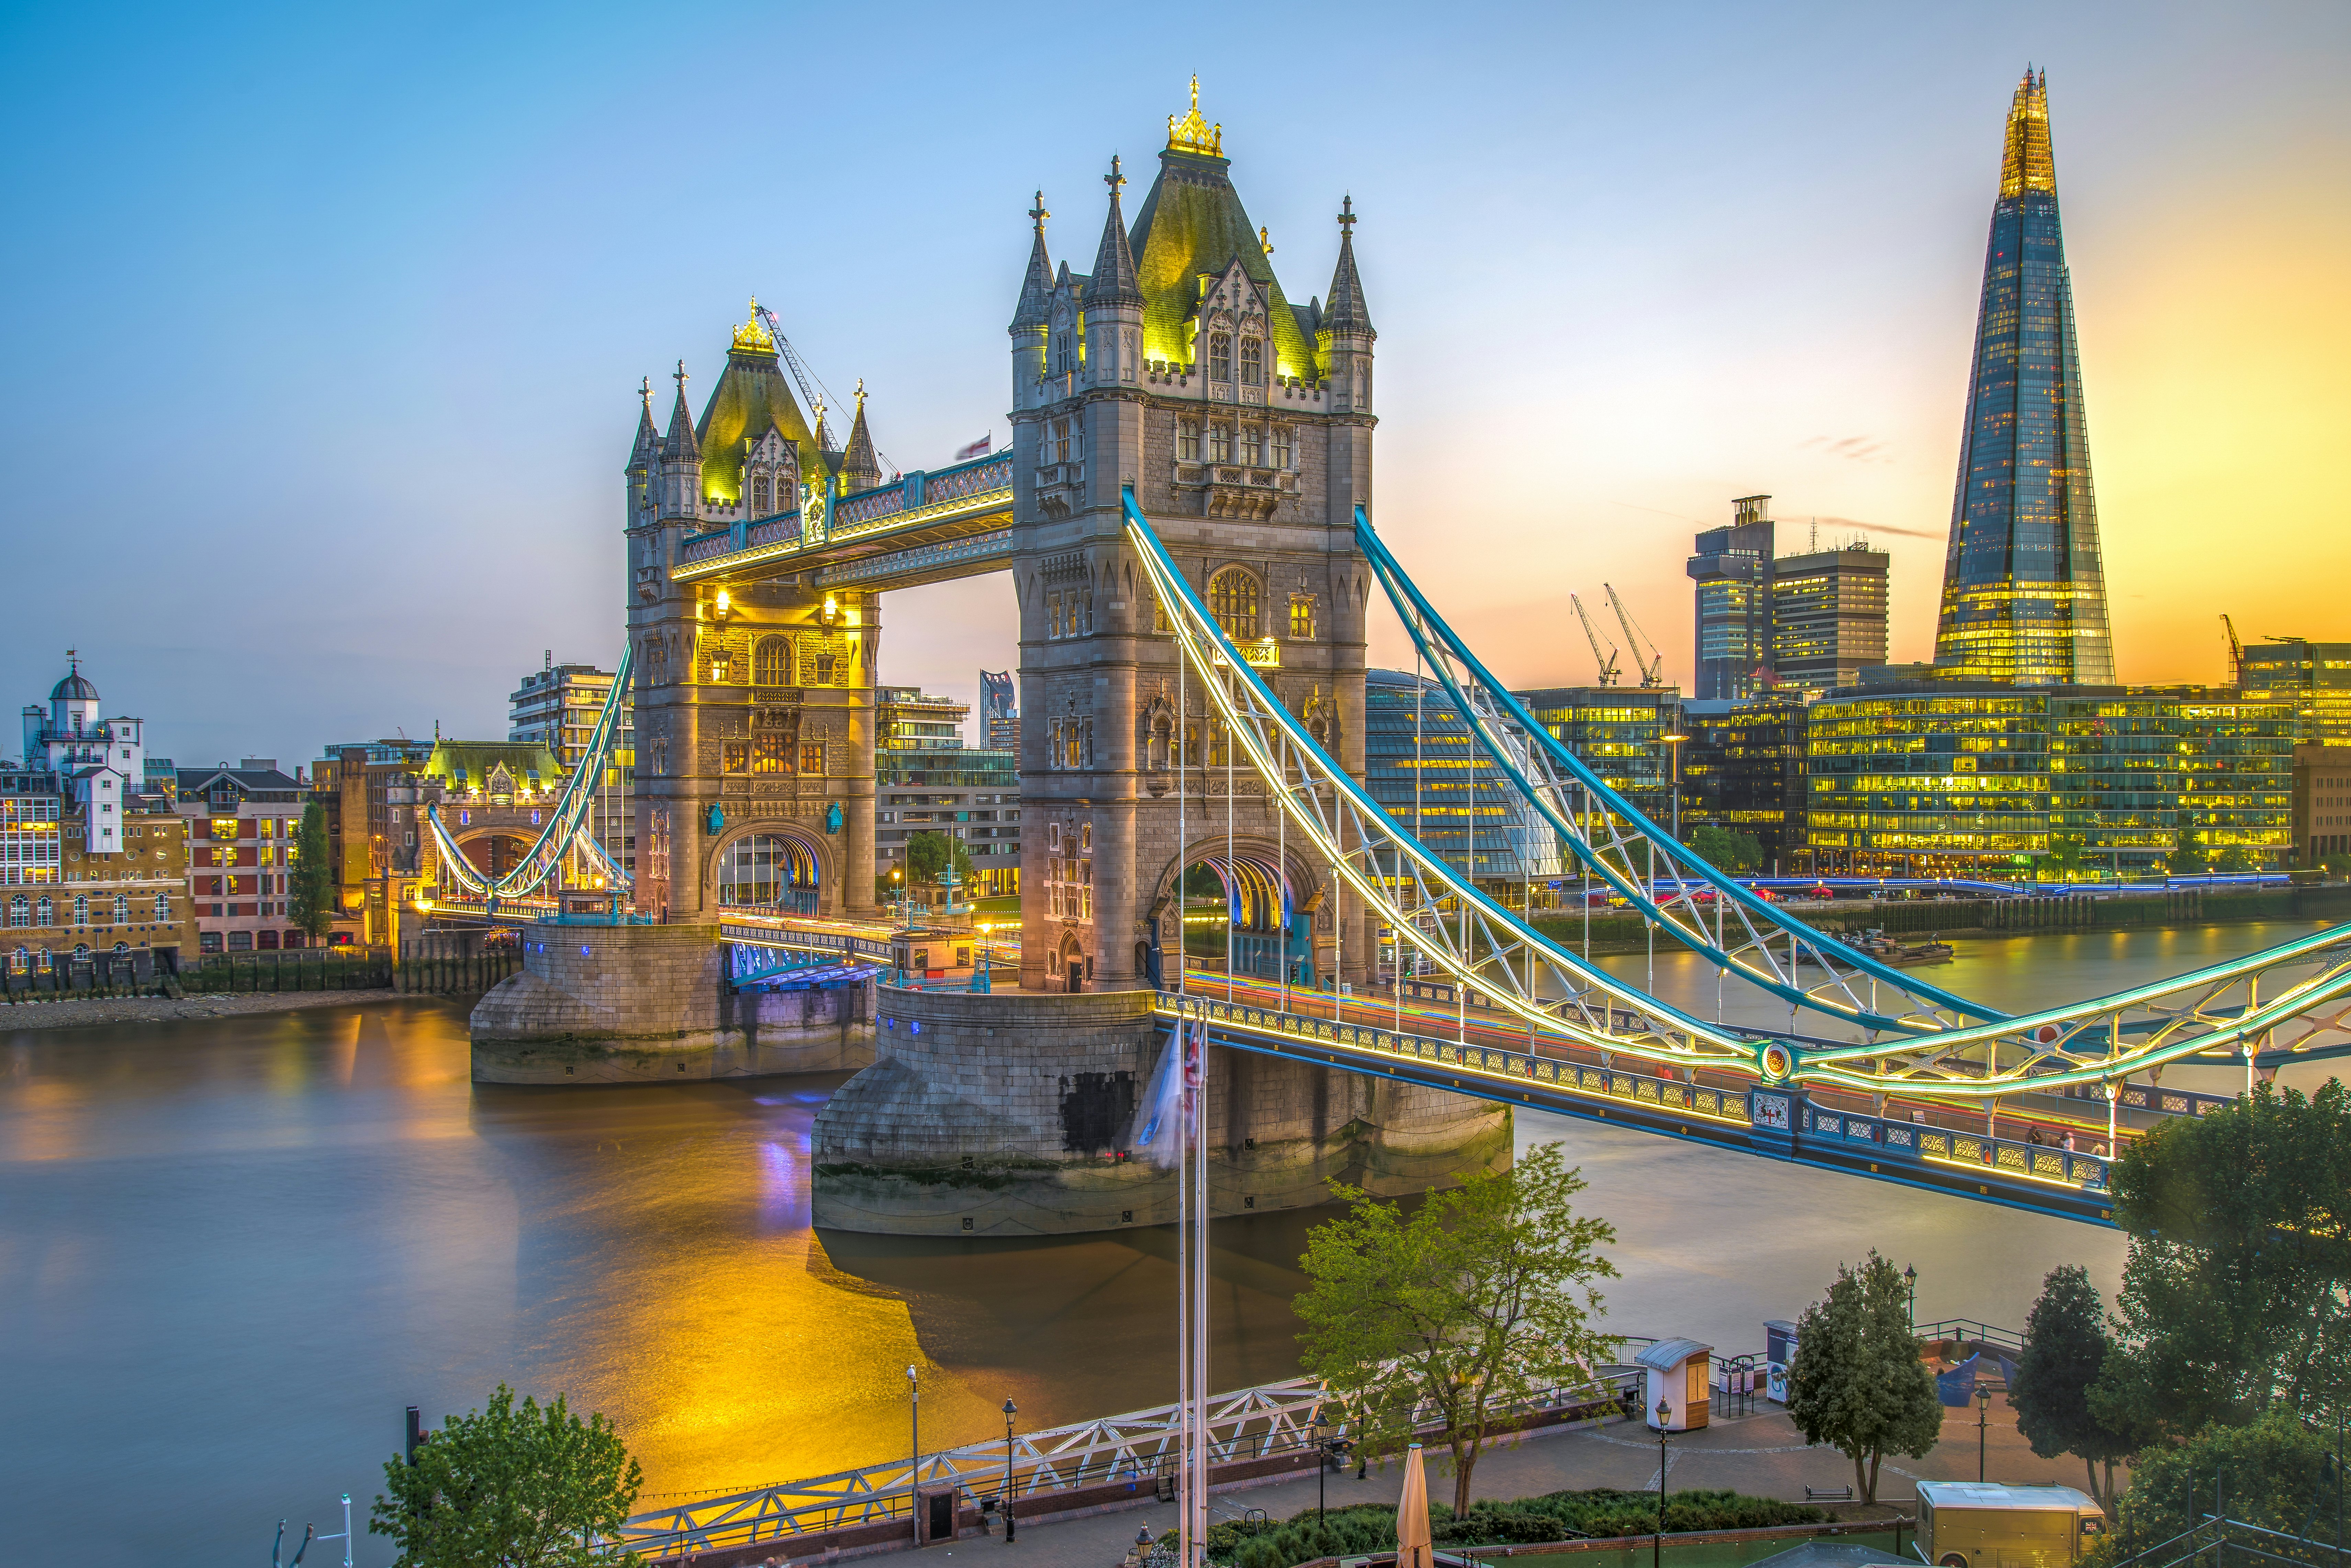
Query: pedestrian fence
2234	1544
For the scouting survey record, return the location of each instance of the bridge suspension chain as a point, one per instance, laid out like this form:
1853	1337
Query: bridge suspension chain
2211	1015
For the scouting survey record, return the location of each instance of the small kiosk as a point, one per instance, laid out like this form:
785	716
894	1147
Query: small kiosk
1679	1375
1779	1354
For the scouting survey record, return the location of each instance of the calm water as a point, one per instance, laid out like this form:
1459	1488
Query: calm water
232	1250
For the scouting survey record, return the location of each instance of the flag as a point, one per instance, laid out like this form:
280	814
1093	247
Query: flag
1158	1135
976	449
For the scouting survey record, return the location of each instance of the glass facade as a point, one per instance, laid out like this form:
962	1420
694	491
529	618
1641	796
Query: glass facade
1958	773
1620	734
1743	768
1828	616
2024	596
1421	763
2314	676
1732	570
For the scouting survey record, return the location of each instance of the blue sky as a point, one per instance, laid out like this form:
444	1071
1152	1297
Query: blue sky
327	321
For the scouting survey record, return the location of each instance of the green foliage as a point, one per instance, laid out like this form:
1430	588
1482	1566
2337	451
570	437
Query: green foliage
509	1488
2335	865
2065	853
310	884
2232	1291
1363	1528
2065	1345
2187	856
1858	1383
2273	1473
926	857
2237	859
1482	1298
1727	848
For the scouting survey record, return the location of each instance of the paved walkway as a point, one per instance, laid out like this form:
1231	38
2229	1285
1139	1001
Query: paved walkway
1763	1455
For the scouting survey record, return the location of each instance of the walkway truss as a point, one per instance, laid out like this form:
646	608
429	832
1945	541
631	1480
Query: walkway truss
1873	1030
566	836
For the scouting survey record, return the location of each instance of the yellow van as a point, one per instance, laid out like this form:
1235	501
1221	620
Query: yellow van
1971	1524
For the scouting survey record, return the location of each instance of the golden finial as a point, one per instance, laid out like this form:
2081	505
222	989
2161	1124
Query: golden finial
1264	244
1038	214
754	333
860	397
1193	134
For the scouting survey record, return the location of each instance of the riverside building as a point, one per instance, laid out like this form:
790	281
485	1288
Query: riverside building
2025	595
241	824
1421	763
1812	621
927	782
2314	676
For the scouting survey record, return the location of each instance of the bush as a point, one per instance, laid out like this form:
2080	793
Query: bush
1362	1528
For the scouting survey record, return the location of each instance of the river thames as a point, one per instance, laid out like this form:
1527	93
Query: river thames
230	1251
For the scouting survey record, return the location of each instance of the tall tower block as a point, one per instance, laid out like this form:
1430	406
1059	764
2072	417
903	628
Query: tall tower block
2024	592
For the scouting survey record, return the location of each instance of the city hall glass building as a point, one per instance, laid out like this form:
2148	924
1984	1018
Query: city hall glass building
1421	762
2025	595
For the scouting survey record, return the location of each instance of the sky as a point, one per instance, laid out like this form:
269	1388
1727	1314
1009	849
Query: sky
325	323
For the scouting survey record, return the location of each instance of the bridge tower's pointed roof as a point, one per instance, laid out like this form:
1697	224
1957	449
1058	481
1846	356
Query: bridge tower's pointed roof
753	396
1036	283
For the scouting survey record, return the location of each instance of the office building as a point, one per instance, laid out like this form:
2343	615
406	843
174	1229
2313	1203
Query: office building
93	867
1000	711
1619	732
557	706
2314	676
1732	571
1424	765
2024	595
1812	621
1743	771
1828	616
927	780
241	825
371	790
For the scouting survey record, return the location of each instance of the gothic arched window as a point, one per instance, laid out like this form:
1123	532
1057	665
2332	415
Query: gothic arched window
1220	443
1220	356
771	662
1187	441
1253	446
1233	601
762	495
1253	362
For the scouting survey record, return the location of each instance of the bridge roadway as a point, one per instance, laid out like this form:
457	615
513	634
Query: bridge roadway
1910	1140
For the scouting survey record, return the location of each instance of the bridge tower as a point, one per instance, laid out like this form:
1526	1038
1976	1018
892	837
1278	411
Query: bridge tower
754	701
1178	368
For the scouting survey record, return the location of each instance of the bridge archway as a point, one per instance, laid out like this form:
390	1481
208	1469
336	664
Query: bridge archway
769	866
1254	905
493	851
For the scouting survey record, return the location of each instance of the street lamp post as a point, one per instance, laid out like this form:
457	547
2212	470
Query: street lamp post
1010	1410
1657	1551
1675	741
1983	1411
1910	1277
914	1470
1321	1465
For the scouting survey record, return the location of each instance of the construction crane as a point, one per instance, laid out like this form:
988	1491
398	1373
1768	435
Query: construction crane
807	380
1606	661
1653	668
2236	653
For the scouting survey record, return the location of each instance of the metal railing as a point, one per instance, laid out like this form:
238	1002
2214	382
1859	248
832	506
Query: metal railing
2234	1541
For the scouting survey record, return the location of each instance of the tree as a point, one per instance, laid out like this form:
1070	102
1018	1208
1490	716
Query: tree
2236	860
2273	1473
310	884
1858	1383
2187	856
2065	858
2233	1287
926	858
1478	1301
1727	848
508	1487
2065	1344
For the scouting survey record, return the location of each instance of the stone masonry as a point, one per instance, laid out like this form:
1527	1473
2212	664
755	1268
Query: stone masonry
1009	1114
639	1003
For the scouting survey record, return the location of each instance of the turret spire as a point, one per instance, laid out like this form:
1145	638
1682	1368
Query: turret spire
682	441
858	461
1037	284
1114	282
648	438
1346	312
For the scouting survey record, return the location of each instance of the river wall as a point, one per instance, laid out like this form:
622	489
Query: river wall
1011	1114
634	1004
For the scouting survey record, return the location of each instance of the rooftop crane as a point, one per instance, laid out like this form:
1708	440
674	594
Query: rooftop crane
1653	668
1606	661
804	377
2236	653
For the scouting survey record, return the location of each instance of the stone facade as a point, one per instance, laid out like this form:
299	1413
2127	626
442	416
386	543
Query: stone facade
639	1003
1009	1115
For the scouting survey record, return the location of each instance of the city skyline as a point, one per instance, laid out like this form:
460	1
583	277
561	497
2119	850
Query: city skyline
400	363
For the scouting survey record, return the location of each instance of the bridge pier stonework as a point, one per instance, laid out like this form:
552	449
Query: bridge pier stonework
1008	1115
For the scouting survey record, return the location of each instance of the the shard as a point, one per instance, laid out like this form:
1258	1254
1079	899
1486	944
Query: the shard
2025	595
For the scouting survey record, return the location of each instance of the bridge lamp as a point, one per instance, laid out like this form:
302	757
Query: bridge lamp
725	606
831	610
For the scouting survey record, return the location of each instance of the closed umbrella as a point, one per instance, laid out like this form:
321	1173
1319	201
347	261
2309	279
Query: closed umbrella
1415	1549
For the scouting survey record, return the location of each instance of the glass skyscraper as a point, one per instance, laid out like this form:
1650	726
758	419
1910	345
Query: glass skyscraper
2025	595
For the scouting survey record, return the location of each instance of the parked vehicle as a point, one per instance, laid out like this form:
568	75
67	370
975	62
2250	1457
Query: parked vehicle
1971	1524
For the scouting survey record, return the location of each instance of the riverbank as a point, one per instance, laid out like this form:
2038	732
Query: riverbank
79	1012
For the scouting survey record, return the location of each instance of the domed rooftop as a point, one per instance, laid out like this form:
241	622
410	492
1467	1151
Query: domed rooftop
74	688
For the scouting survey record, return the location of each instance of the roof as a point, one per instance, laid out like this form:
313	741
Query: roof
74	688
251	781
1192	223
1668	1353
476	760
751	397
1979	1494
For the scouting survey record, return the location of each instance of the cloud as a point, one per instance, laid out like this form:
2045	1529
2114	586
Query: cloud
1853	449
1883	528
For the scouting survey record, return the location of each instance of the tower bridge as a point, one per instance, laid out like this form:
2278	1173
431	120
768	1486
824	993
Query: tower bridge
1183	518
